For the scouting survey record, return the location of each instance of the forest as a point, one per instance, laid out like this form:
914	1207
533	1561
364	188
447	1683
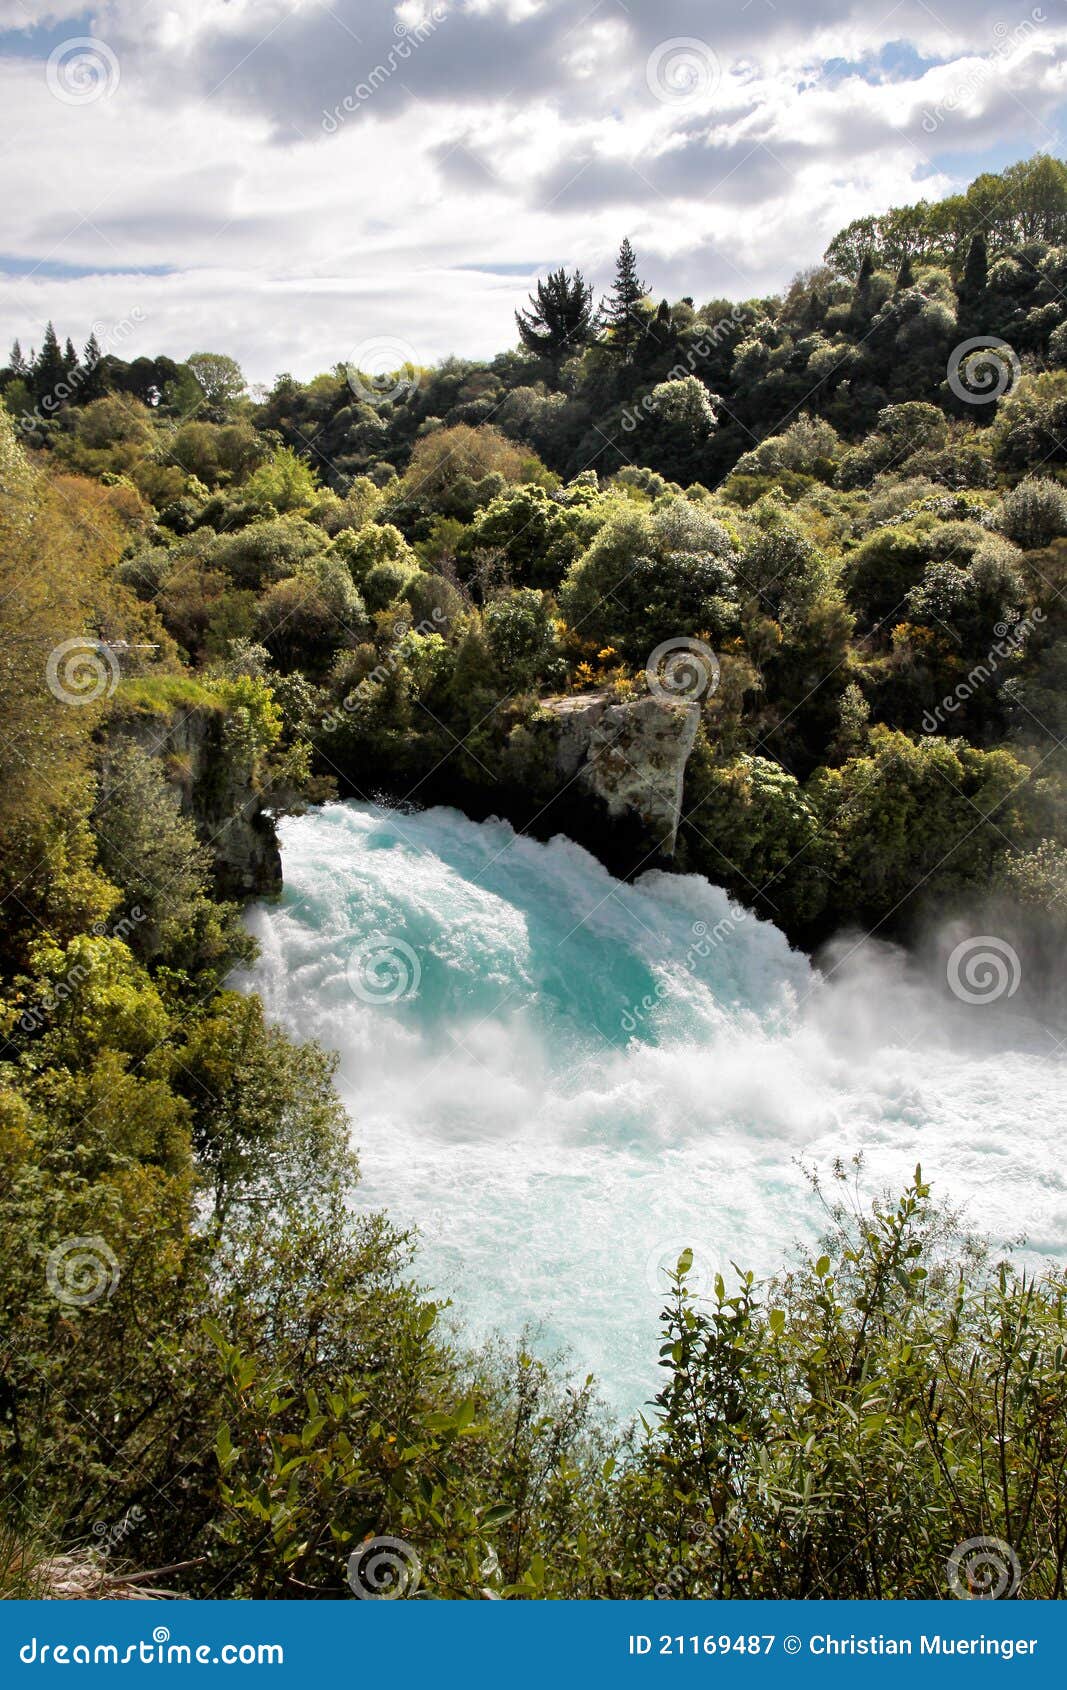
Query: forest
220	606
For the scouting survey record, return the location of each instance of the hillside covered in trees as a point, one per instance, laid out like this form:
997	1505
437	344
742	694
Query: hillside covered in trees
848	505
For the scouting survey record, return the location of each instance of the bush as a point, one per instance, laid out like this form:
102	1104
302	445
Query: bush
649	577
1033	514
266	552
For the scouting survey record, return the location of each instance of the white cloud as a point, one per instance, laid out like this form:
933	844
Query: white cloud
489	134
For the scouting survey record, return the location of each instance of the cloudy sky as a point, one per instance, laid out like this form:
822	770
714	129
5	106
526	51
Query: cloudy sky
293	181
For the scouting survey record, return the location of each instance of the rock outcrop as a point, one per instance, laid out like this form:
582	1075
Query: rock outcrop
629	755
216	790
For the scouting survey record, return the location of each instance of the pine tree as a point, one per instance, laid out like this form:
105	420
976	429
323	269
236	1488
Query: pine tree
973	283
93	384
560	320
17	362
70	357
619	311
905	275
861	297
48	371
813	312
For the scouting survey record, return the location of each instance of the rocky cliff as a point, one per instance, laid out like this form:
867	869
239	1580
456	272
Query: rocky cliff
217	791
629	756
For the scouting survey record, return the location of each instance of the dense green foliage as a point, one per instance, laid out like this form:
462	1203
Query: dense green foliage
379	590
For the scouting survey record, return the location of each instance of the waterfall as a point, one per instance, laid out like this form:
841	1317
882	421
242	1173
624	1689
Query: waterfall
563	1080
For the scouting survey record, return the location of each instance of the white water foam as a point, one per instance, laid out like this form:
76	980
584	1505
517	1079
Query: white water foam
591	1076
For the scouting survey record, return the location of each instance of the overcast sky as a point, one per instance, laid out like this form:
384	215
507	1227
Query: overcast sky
294	181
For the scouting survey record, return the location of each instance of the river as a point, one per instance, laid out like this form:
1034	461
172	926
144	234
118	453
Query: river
564	1080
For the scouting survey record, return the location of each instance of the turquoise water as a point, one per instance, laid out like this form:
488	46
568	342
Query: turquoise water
564	1080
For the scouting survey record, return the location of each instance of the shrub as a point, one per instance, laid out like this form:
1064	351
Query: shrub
1033	514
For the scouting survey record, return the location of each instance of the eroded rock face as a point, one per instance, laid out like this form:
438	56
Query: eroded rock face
216	792
629	755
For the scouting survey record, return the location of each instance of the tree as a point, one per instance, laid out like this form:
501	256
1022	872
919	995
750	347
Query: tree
973	283
561	319
441	459
17	363
285	481
220	378
619	311
861	298
647	578
49	369
92	386
267	1123
520	631
1033	514
905	275
150	850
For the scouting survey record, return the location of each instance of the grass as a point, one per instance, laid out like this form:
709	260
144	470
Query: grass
160	695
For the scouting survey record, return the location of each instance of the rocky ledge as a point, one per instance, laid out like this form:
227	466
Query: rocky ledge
216	792
629	755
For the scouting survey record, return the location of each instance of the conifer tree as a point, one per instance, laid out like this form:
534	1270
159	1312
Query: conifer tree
17	363
973	283
905	275
48	371
861	294
560	321
813	312
619	312
93	385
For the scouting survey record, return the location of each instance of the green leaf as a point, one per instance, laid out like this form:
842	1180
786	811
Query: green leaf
496	1515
